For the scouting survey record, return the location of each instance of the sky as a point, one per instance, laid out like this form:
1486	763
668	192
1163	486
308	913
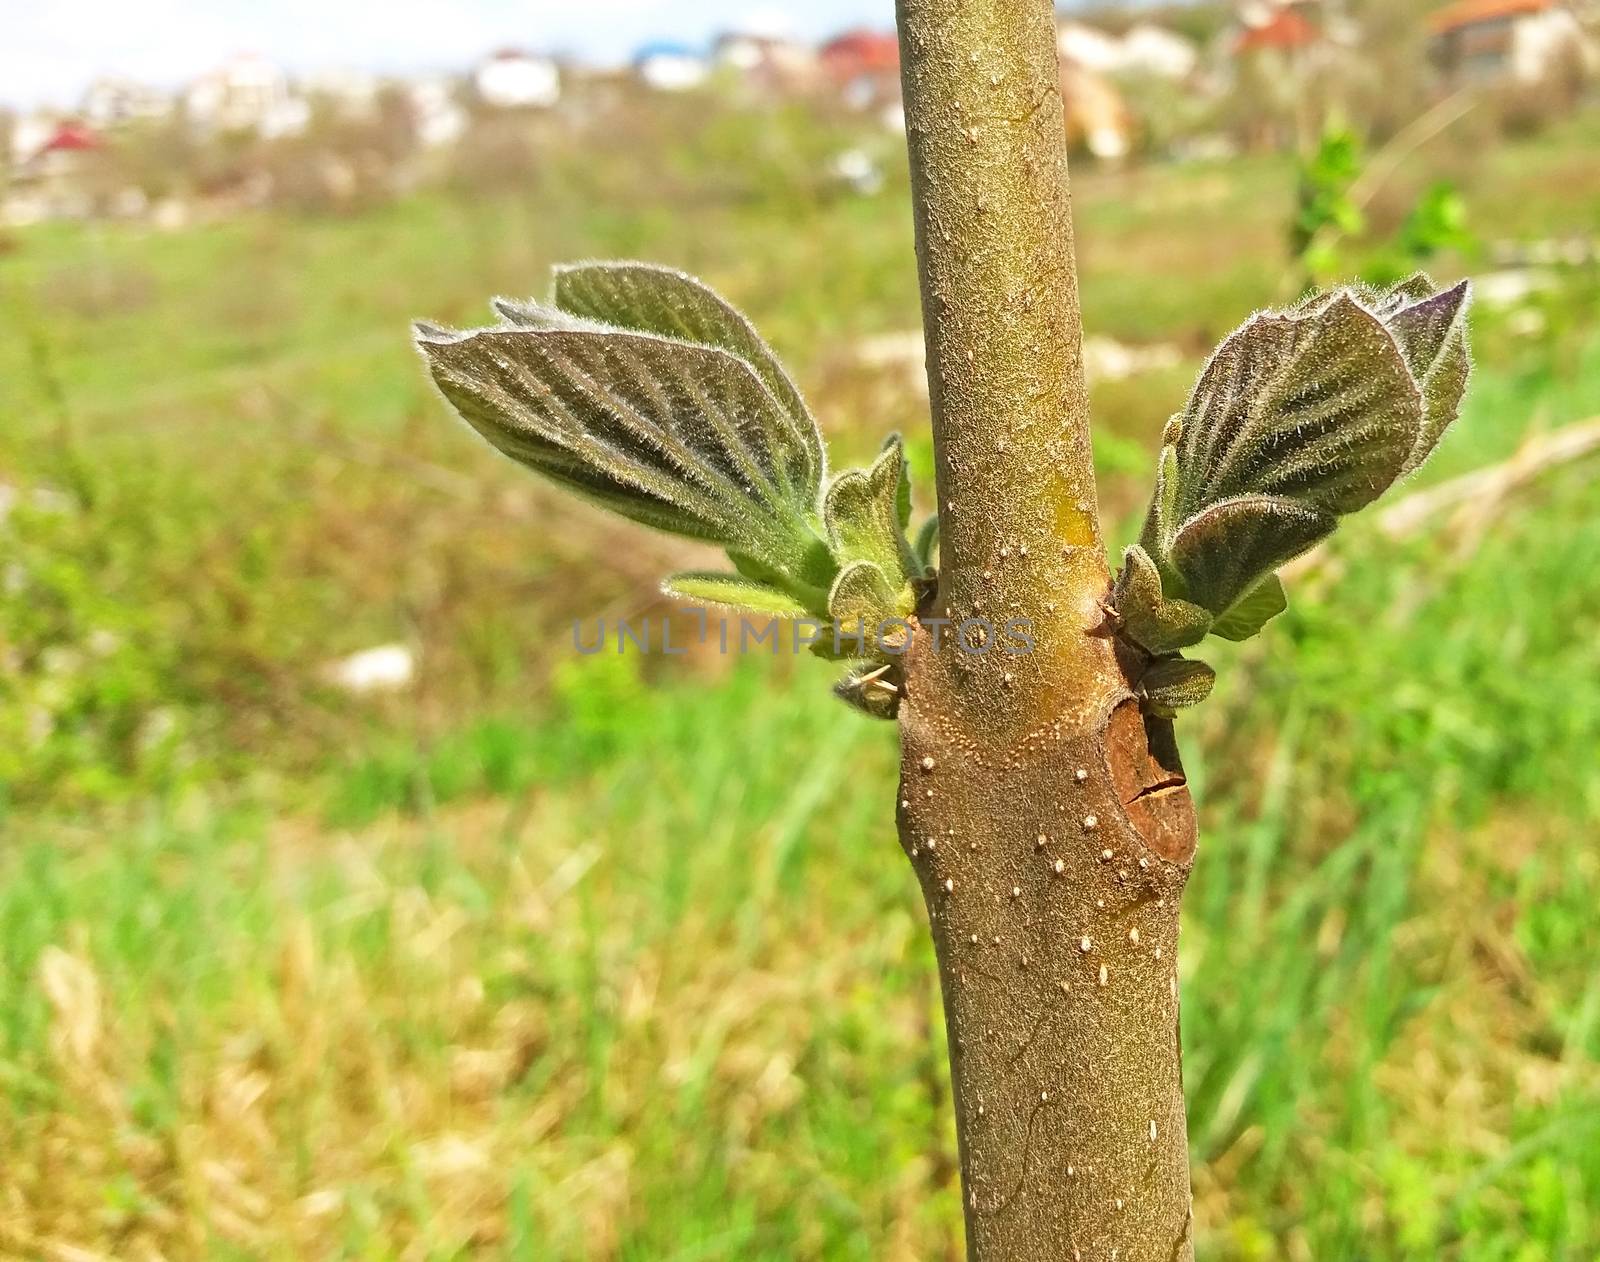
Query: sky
51	49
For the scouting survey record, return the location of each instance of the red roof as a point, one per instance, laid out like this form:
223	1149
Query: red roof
1284	30
72	138
862	52
1471	12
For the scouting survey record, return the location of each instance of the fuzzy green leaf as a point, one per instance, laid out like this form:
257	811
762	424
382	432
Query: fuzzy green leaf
1252	611
862	514
864	609
1422	328
927	544
1433	336
1319	408
731	591
673	304
862	594
1161	521
1149	618
1299	418
1176	685
684	438
902	495
1225	551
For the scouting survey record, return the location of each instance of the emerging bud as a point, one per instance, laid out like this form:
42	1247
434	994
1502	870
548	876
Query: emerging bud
1300	417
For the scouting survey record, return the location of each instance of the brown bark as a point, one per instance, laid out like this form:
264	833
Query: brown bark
1047	820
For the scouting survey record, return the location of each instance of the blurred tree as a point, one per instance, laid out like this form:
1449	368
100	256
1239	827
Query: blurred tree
1389	81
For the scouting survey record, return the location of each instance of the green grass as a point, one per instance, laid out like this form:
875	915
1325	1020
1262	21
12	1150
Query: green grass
585	958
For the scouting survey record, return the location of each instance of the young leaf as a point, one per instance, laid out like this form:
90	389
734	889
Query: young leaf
862	596
730	591
865	610
1432	334
927	544
1161	521
1252	611
1228	549
1176	685
1318	408
1300	417
684	438
1422	328
902	492
1149	619
863	515
673	304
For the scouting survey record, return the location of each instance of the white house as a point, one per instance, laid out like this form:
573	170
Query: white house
437	115
1153	50
670	67
247	93
1147	49
1522	40
351	93
511	79
111	100
30	133
775	62
1089	48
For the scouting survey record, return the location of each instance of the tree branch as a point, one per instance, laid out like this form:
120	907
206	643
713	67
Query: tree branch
1019	534
1045	815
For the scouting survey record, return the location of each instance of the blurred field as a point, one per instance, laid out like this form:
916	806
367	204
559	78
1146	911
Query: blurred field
561	958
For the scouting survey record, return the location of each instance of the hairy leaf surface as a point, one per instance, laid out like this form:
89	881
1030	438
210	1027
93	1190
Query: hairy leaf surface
673	304
685	438
1319	408
862	599
732	591
1177	685
1300	417
1252	611
864	512
1151	620
1228	549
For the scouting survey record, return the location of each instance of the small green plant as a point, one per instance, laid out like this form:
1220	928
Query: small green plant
1043	804
1301	417
640	389
1335	185
1325	206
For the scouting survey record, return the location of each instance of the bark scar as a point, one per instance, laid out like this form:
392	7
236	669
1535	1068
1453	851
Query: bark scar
1147	774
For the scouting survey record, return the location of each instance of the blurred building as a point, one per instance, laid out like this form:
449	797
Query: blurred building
1283	32
1088	47
29	132
863	66
668	66
346	93
1284	58
247	93
1523	41
771	63
1154	50
1146	49
510	78
436	112
112	100
54	178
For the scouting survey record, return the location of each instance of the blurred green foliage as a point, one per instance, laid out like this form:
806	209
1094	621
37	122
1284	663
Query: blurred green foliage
615	957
